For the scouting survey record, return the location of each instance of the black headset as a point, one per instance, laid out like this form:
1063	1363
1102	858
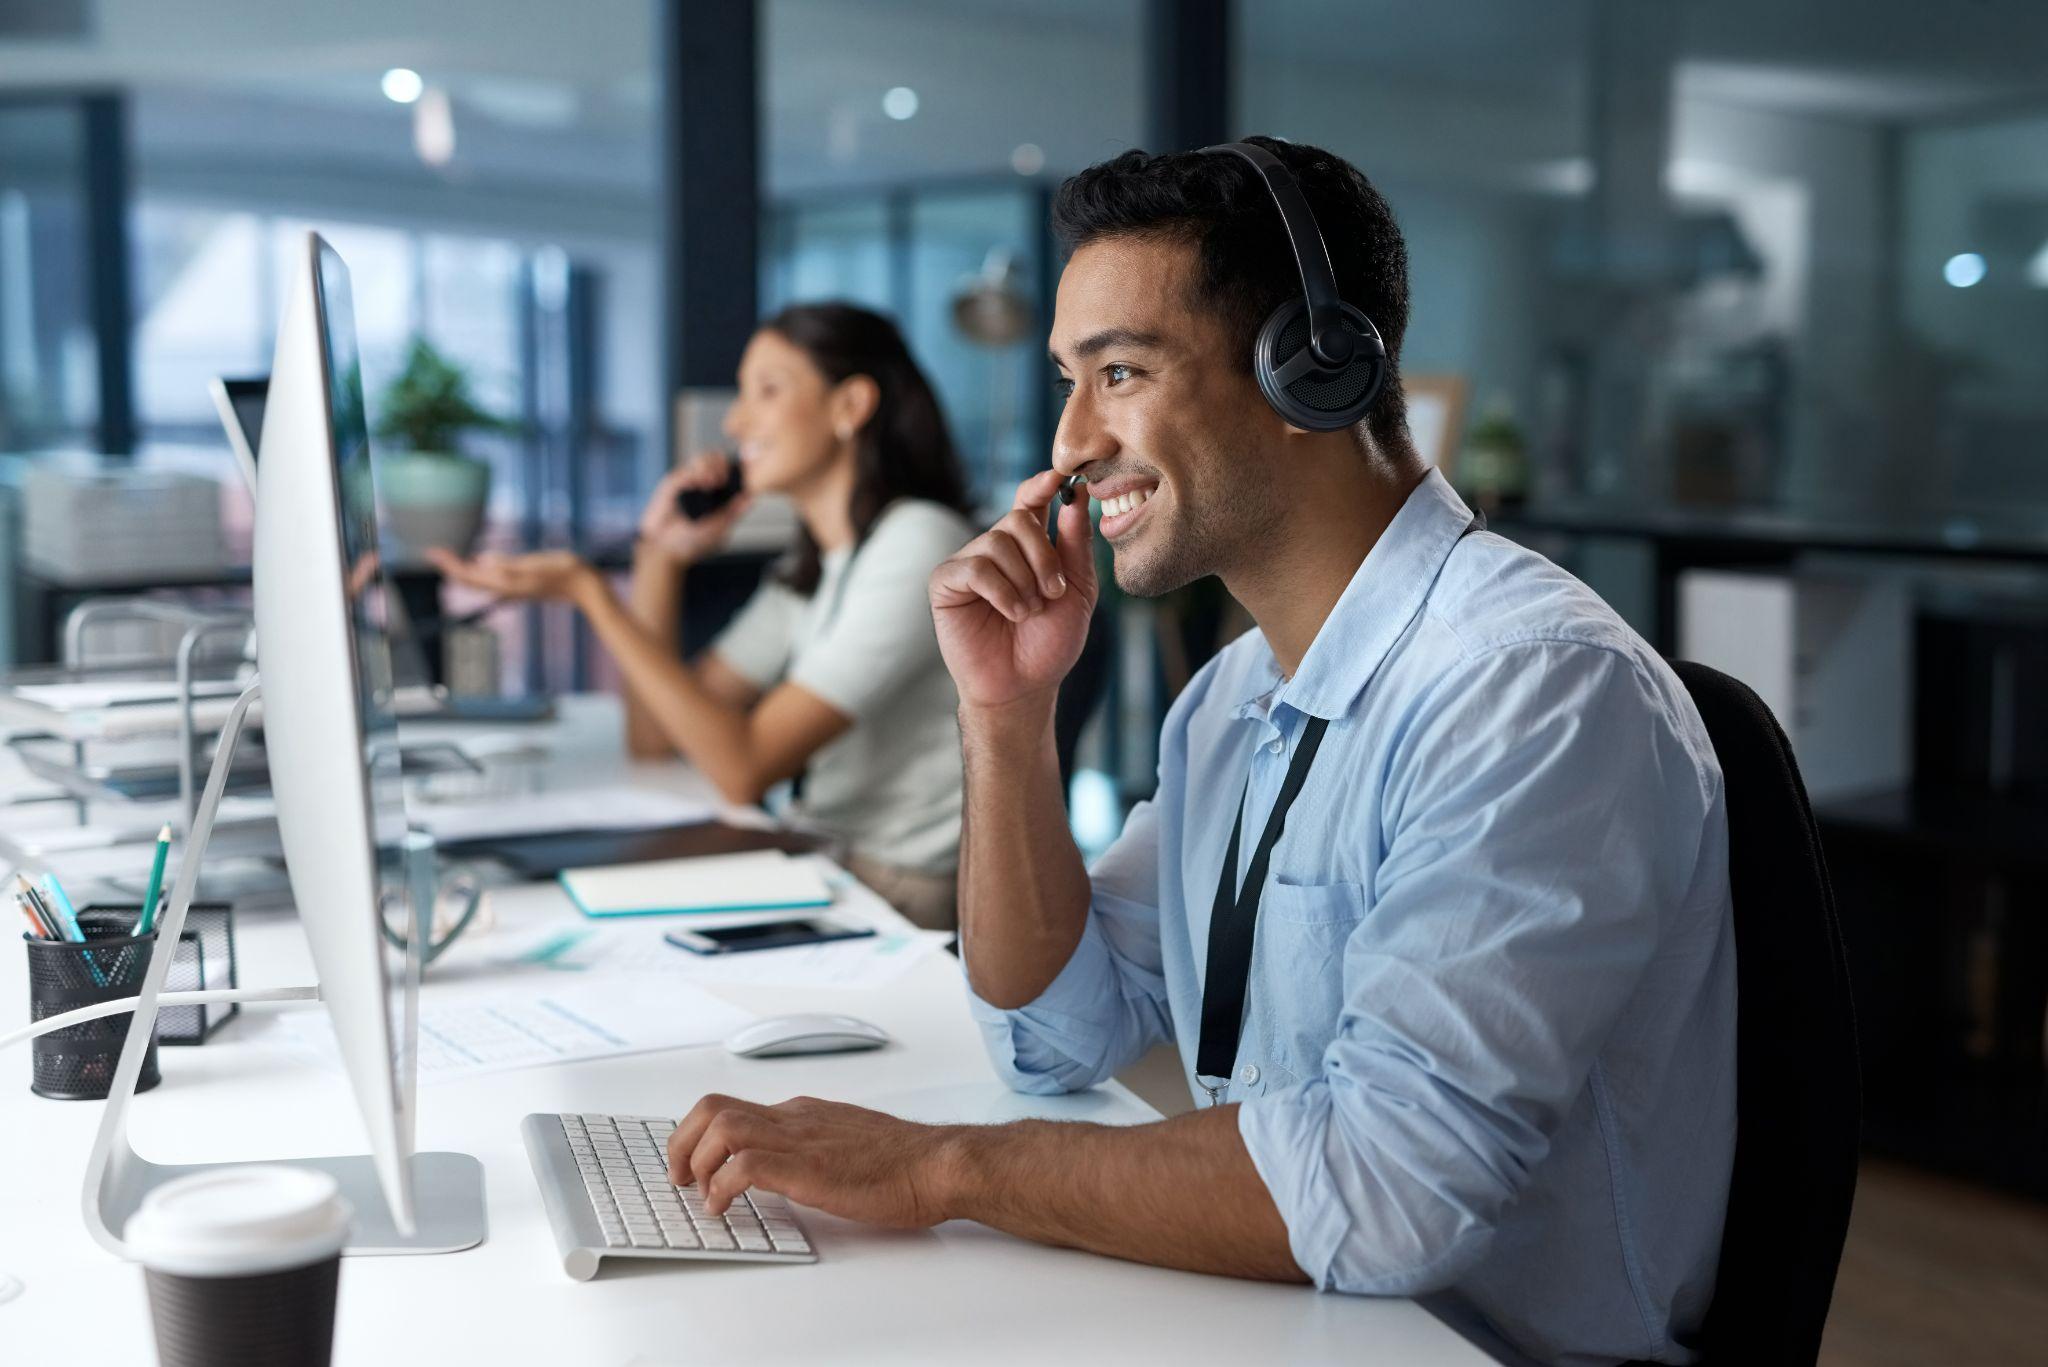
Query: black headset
1320	362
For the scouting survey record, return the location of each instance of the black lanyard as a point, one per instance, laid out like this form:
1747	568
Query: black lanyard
1236	916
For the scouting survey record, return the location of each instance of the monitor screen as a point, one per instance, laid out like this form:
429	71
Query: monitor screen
370	599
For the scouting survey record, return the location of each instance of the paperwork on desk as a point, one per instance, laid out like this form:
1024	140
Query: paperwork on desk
580	809
107	709
871	962
469	1029
635	947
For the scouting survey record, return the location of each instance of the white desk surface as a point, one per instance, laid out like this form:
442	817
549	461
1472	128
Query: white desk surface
960	1292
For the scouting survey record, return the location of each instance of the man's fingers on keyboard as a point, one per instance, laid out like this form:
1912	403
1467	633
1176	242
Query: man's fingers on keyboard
689	1131
750	1168
729	1132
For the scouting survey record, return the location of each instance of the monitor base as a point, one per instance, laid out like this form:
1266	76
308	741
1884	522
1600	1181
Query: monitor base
448	1188
448	1199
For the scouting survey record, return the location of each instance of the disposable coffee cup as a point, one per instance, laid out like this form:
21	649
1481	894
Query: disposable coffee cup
242	1266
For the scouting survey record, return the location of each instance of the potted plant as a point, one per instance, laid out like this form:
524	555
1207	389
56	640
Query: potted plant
434	496
1494	469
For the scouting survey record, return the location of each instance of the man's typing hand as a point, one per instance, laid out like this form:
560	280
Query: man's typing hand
845	1160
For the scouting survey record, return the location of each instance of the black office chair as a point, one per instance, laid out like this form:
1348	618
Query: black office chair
1798	1089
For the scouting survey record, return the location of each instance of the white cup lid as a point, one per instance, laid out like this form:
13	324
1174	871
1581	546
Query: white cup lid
240	1221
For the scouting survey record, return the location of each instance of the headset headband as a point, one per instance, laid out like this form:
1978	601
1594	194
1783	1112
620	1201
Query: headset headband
1331	342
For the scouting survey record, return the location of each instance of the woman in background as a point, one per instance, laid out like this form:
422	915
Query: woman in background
831	673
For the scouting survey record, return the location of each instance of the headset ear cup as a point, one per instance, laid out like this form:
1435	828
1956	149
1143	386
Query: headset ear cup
1322	399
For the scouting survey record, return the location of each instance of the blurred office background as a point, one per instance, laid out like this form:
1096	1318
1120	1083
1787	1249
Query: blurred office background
1738	309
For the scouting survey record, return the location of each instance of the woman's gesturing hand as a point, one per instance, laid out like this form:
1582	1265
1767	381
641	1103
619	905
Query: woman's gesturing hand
1011	609
560	576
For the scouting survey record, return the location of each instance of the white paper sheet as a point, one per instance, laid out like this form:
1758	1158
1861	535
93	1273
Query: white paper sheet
86	694
640	951
467	1032
585	809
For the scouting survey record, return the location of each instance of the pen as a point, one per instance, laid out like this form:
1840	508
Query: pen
65	914
63	920
147	921
26	891
35	922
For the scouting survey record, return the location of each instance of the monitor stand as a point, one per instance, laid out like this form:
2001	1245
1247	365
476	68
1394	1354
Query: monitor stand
448	1187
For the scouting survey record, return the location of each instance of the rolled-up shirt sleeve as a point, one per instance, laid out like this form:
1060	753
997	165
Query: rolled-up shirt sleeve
1108	1005
1481	988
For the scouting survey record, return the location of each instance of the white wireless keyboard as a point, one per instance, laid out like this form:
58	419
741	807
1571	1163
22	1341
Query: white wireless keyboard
604	1181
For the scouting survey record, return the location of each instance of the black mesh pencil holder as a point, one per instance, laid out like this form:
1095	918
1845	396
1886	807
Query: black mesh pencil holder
77	1063
205	959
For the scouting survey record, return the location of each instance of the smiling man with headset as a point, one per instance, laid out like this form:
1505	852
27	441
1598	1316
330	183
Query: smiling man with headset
1433	893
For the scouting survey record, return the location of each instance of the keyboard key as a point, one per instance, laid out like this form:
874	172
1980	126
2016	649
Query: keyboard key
792	1244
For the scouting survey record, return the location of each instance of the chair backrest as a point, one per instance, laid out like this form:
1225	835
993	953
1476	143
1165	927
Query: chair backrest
1798	1088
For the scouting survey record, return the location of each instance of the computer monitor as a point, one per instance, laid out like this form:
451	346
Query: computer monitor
324	656
331	737
240	404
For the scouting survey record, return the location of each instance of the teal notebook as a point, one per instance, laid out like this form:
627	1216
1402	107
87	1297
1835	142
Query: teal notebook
758	880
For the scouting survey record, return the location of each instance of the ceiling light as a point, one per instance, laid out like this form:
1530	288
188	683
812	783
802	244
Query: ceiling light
402	85
900	102
1963	270
2037	268
433	128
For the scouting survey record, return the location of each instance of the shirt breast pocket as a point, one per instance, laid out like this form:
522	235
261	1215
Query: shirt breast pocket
1298	987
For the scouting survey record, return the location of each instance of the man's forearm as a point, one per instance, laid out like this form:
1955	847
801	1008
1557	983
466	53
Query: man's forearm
1182	1193
1023	888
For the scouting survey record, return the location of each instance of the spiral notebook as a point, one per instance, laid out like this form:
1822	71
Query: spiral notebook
758	880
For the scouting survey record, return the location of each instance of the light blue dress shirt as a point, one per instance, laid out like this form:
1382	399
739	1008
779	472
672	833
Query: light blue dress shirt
1489	1037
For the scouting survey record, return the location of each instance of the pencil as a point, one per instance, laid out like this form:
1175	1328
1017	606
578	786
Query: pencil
26	891
147	921
35	922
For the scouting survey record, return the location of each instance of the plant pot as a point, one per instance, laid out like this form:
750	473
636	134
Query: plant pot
433	500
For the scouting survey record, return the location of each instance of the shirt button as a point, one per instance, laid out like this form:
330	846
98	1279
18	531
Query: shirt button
1276	745
1249	1074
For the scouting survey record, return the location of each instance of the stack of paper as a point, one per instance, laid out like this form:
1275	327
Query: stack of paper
580	809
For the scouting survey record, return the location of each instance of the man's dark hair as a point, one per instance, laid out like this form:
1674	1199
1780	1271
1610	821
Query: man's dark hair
1219	206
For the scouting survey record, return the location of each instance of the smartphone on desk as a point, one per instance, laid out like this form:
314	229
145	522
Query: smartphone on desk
764	935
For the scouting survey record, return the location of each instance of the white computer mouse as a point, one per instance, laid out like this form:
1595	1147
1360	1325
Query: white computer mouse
809	1034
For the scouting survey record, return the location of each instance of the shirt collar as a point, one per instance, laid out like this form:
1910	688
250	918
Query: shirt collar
1384	595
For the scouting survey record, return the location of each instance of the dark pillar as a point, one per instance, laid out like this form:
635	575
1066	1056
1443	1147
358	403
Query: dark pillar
106	226
1187	74
711	195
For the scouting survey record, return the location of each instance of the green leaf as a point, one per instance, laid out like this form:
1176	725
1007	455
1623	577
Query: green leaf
428	406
